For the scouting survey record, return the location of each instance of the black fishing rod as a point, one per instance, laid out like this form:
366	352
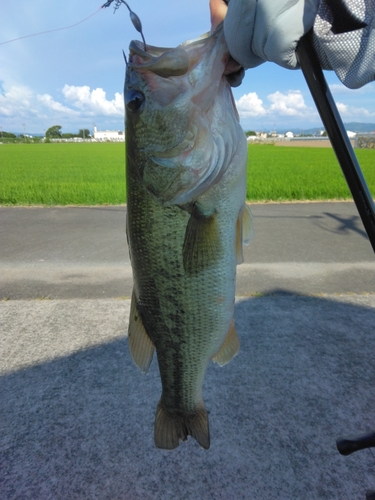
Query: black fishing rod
337	134
341	144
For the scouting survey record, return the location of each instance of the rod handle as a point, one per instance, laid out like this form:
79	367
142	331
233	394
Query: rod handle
349	445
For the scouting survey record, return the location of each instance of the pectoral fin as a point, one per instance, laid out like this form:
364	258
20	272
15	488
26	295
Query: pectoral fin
244	231
229	347
247	225
202	245
239	249
140	344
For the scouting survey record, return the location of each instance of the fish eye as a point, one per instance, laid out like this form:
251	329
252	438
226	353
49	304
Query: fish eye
134	100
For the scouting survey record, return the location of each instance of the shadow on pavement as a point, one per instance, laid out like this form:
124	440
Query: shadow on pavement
347	224
81	426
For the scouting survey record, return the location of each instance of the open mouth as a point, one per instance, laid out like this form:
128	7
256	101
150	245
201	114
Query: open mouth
164	62
148	52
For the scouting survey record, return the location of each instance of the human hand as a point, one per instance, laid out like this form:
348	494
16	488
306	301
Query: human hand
218	9
267	30
233	71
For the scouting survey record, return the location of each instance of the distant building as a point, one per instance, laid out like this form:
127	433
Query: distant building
289	135
351	135
109	135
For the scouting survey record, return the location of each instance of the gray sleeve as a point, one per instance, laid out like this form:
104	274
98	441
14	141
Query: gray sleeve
267	30
351	54
239	32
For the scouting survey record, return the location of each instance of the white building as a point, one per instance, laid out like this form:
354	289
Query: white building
109	135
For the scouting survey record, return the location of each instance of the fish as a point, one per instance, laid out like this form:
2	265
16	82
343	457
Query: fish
186	157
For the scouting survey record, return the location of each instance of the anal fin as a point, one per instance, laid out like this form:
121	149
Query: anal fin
229	347
170	427
140	344
202	245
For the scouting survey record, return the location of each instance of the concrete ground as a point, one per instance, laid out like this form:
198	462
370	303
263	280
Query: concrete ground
76	415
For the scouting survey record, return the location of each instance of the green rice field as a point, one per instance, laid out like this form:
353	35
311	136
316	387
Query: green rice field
62	174
94	174
301	173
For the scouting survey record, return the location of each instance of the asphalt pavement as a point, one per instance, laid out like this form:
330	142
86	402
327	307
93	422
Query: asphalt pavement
76	252
76	415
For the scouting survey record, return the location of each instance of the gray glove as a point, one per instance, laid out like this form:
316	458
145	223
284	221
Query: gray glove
344	39
267	30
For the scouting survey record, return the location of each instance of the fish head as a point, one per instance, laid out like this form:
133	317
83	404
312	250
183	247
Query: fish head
181	120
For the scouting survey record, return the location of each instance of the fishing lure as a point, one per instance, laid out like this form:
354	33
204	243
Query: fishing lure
133	17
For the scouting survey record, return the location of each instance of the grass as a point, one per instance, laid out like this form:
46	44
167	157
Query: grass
62	174
93	174
294	173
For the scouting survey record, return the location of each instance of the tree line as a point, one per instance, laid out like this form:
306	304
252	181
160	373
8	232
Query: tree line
55	132
7	135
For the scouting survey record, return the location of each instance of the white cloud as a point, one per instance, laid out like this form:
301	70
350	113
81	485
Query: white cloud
15	99
353	113
53	105
290	104
93	101
250	105
89	102
342	108
339	88
19	104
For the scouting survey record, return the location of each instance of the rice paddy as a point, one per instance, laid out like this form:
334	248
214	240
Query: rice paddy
94	174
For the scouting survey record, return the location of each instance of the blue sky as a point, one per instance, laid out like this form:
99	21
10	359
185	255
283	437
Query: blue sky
74	77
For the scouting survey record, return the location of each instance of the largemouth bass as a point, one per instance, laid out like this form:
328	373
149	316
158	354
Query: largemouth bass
186	219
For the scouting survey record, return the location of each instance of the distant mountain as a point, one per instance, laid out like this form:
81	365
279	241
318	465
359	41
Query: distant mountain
360	127
352	126
309	131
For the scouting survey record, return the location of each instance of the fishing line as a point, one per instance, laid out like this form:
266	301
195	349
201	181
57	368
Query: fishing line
50	31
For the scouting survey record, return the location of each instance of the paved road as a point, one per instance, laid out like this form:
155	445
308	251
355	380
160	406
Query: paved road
82	252
76	415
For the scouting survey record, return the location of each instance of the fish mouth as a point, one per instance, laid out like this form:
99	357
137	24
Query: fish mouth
164	62
145	52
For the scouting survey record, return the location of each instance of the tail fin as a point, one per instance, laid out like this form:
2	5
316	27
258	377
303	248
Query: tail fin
171	427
